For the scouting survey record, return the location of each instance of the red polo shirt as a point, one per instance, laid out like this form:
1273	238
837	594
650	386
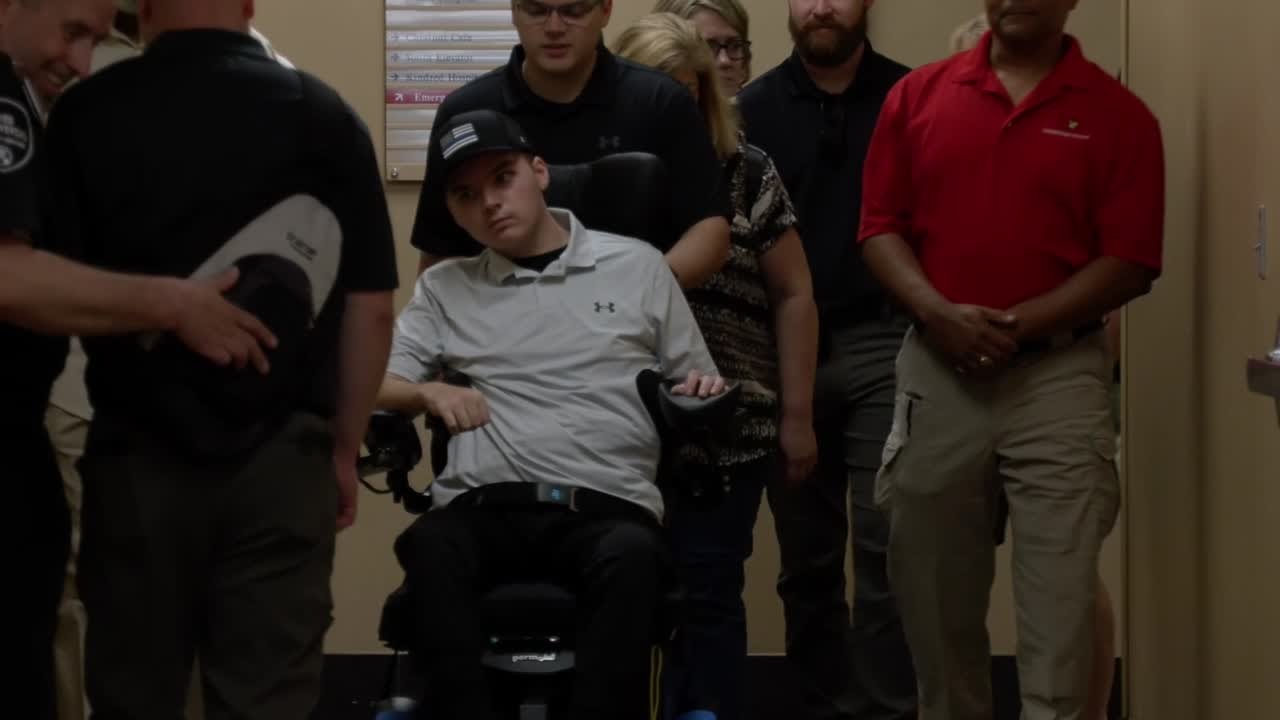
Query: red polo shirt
1001	203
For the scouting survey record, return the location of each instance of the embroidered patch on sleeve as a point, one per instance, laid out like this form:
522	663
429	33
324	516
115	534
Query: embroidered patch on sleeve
17	141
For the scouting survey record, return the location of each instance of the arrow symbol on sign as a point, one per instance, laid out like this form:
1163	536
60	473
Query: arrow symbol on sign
399	97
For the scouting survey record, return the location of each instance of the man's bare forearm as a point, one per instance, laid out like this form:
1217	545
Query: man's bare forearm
895	265
363	350
50	294
401	396
1100	287
700	252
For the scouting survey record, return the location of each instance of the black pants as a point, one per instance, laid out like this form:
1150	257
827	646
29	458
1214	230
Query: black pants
616	565
710	547
38	559
851	666
230	564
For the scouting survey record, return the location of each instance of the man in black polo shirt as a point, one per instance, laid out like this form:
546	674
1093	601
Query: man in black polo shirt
44	44
212	497
578	102
814	114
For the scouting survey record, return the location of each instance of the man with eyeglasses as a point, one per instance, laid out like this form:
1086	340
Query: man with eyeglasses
814	115
577	103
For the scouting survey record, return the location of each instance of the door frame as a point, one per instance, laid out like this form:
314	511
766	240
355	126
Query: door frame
1162	459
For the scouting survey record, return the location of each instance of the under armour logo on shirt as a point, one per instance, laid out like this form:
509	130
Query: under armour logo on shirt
601	307
607	142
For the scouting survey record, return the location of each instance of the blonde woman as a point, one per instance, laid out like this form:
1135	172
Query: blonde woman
965	38
760	323
724	25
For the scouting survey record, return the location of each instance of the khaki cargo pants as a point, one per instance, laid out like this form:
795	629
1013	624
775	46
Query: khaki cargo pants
1042	429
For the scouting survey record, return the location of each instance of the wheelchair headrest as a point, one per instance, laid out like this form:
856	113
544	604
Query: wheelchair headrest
624	194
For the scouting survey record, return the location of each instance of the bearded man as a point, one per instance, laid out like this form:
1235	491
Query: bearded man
814	114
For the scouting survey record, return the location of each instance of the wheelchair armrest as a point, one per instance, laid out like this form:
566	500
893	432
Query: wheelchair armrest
685	417
681	419
689	415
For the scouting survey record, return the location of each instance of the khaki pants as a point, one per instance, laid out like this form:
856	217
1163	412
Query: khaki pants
1043	430
67	433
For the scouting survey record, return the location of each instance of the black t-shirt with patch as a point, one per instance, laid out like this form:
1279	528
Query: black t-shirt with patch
157	161
625	107
29	362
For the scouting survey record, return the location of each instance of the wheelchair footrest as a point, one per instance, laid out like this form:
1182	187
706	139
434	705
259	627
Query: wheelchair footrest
534	711
546	660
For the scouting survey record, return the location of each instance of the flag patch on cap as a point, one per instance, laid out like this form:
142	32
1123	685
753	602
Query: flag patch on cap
458	138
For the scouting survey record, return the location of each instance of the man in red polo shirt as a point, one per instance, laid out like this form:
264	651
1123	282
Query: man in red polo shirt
1014	195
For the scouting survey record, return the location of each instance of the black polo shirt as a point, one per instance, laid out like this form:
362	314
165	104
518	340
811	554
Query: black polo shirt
819	142
625	107
29	363
157	161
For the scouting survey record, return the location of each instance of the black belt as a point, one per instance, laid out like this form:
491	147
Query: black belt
577	499
1059	341
868	309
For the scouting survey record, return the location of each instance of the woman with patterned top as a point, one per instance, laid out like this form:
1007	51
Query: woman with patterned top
758	317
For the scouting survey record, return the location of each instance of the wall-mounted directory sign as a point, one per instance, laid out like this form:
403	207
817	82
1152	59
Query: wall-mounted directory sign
433	48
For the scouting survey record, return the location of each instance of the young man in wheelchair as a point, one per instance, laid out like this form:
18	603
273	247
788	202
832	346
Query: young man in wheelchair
553	455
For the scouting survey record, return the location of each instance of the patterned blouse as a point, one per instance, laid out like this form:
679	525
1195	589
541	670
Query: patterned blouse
733	310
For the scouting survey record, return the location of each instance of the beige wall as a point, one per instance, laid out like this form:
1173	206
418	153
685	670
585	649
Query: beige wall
913	31
1203	454
916	31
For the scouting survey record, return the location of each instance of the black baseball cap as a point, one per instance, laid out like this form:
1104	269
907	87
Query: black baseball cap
473	133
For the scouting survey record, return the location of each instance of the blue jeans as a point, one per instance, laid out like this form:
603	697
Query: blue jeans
710	547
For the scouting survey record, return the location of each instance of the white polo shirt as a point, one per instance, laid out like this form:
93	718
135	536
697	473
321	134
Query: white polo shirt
555	355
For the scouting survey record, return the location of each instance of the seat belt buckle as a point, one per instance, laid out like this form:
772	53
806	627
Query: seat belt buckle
558	495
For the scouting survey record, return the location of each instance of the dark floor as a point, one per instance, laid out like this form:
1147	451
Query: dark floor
354	683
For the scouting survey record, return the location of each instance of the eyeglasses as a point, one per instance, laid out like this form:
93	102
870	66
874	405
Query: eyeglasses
736	49
574	13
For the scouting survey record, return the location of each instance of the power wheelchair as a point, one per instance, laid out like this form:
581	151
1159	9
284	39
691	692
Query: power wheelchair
530	626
